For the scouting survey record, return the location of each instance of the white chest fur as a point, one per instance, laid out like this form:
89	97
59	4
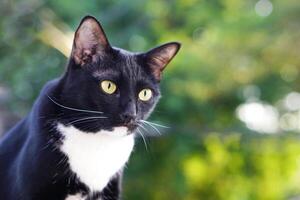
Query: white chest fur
96	157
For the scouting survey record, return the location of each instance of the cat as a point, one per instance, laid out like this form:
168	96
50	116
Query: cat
74	143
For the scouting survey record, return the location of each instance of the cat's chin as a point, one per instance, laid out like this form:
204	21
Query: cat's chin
115	131
118	131
130	127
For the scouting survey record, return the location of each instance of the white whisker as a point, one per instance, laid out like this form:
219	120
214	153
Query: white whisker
142	126
141	134
152	126
155	124
74	109
86	118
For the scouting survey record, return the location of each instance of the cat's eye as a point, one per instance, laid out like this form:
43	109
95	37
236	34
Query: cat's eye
145	94
108	87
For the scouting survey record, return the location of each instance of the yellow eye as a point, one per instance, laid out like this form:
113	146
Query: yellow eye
145	94
108	87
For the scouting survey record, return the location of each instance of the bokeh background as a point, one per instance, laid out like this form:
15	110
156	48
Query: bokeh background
231	96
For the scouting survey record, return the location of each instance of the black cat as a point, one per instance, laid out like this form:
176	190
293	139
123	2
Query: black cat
80	132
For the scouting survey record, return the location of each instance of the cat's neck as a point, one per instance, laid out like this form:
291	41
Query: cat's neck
96	157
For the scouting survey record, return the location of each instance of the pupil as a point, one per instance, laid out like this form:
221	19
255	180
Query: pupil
109	85
145	93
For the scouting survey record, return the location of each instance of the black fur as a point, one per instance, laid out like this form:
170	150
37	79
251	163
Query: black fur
31	165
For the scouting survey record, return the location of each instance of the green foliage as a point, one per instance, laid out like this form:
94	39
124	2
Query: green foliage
226	46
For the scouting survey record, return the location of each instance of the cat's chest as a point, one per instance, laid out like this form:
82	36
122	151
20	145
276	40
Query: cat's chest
96	157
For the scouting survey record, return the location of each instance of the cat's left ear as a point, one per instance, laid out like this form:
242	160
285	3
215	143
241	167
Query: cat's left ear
90	42
159	57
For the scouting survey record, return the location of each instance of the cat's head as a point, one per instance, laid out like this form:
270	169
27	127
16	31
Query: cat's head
121	84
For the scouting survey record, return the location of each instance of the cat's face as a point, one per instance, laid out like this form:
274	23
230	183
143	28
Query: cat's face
122	85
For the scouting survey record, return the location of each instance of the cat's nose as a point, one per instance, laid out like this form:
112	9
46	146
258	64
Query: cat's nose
128	118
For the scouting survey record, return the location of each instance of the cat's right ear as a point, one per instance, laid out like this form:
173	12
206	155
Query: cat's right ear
159	57
90	42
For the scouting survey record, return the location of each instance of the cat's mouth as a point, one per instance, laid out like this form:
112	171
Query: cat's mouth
131	126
